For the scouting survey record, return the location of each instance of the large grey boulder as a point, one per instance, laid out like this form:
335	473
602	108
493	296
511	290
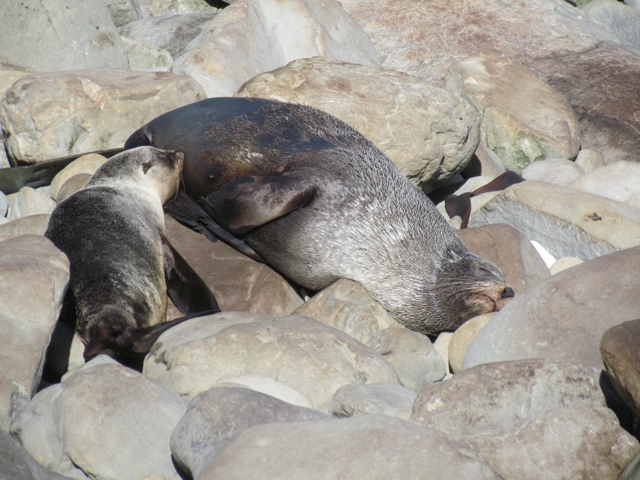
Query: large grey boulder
43	36
368	446
300	352
127	11
51	115
378	398
17	464
622	20
33	280
31	225
524	120
619	181
567	223
215	418
563	318
252	37
103	421
428	132
567	443
502	394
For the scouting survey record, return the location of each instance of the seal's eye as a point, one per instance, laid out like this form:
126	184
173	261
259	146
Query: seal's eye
146	166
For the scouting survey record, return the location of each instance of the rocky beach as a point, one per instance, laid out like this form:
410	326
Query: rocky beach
285	383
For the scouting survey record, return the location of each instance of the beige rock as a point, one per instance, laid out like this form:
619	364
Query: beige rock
622	20
33	279
100	109
484	163
308	356
152	8
564	263
589	160
238	283
442	347
380	398
29	201
428	132
144	56
463	337
31	225
564	443
346	306
566	222
268	386
8	78
553	170
563	318
72	185
252	37
523	119
510	251
85	164
619	181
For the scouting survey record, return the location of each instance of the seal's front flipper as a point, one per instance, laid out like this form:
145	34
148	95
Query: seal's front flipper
184	286
248	202
191	214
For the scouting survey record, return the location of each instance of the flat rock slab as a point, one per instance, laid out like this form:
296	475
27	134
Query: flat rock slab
619	181
370	446
100	108
102	412
619	349
503	394
567	443
215	418
428	132
378	398
308	356
238	282
524	120
564	221
563	318
510	251
33	280
260	32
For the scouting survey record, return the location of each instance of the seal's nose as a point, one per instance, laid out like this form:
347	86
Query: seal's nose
508	292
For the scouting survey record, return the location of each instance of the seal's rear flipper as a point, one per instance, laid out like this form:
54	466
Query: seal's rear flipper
248	202
191	214
185	287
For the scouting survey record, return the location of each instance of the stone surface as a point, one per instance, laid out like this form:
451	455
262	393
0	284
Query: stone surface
442	347
348	307
503	394
17	464
567	443
29	201
72	185
412	356
238	283
619	349
564	221
135	417
463	338
308	356
216	417
428	132
100	109
510	251
589	160
268	386
379	398
252	37
608	116
33	279
369	446
145	56
553	170
85	164
523	119
31	225
563	318
564	263
42	36
619	181
8	78
171	32
622	20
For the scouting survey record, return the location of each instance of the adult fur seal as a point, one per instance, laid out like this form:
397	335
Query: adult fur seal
319	202
112	231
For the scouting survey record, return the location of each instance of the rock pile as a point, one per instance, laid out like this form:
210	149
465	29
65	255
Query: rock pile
279	386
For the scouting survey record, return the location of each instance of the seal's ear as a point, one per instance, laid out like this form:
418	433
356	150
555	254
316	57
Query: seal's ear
248	202
453	256
185	287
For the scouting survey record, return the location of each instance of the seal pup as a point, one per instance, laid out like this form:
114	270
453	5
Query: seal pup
319	202
112	231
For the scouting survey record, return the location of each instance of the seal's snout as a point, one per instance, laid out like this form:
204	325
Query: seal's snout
508	292
506	296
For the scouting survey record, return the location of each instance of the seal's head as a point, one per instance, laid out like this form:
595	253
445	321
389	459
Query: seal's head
467	286
157	172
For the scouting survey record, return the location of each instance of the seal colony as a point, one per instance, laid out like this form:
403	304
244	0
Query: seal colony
319	202
112	231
